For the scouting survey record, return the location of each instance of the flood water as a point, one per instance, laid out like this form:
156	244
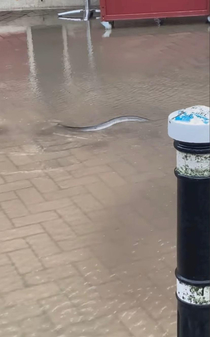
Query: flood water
88	220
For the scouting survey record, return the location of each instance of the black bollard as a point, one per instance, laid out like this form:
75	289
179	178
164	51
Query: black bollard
190	130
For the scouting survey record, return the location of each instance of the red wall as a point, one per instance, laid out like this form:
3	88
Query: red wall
151	6
148	8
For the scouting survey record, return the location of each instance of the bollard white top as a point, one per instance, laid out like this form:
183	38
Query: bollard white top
190	125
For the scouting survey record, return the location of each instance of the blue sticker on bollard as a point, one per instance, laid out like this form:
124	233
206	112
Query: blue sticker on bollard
184	117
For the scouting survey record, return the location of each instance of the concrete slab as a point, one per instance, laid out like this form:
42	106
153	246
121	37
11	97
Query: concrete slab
40	4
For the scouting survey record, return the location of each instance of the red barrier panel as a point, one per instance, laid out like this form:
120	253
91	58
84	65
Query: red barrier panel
112	10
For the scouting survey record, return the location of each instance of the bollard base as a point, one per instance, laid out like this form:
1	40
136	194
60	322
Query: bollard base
193	320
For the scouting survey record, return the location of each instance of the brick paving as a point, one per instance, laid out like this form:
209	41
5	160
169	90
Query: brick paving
87	221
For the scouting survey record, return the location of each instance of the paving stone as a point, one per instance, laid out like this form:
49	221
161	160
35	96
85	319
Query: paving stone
112	179
49	205
7	196
4	259
30	294
30	196
19	312
45	185
5	223
10	280
25	261
69	192
50	274
59	230
14	208
103	193
87	202
10	331
14	186
42	245
34	219
94	272
20	232
38	326
78	181
86	171
73	215
140	324
66	258
13	245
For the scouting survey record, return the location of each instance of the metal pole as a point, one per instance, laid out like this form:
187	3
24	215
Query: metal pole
87	13
190	129
87	10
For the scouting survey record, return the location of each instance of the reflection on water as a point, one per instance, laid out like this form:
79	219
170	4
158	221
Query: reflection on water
31	61
72	68
66	56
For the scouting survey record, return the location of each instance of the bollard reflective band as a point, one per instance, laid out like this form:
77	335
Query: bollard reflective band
193	165
193	294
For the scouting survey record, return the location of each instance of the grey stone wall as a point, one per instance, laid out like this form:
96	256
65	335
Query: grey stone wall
41	4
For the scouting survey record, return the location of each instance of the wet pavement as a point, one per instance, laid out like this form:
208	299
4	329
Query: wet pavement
88	220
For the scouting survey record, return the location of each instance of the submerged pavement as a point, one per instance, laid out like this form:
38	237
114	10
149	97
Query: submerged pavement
88	220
